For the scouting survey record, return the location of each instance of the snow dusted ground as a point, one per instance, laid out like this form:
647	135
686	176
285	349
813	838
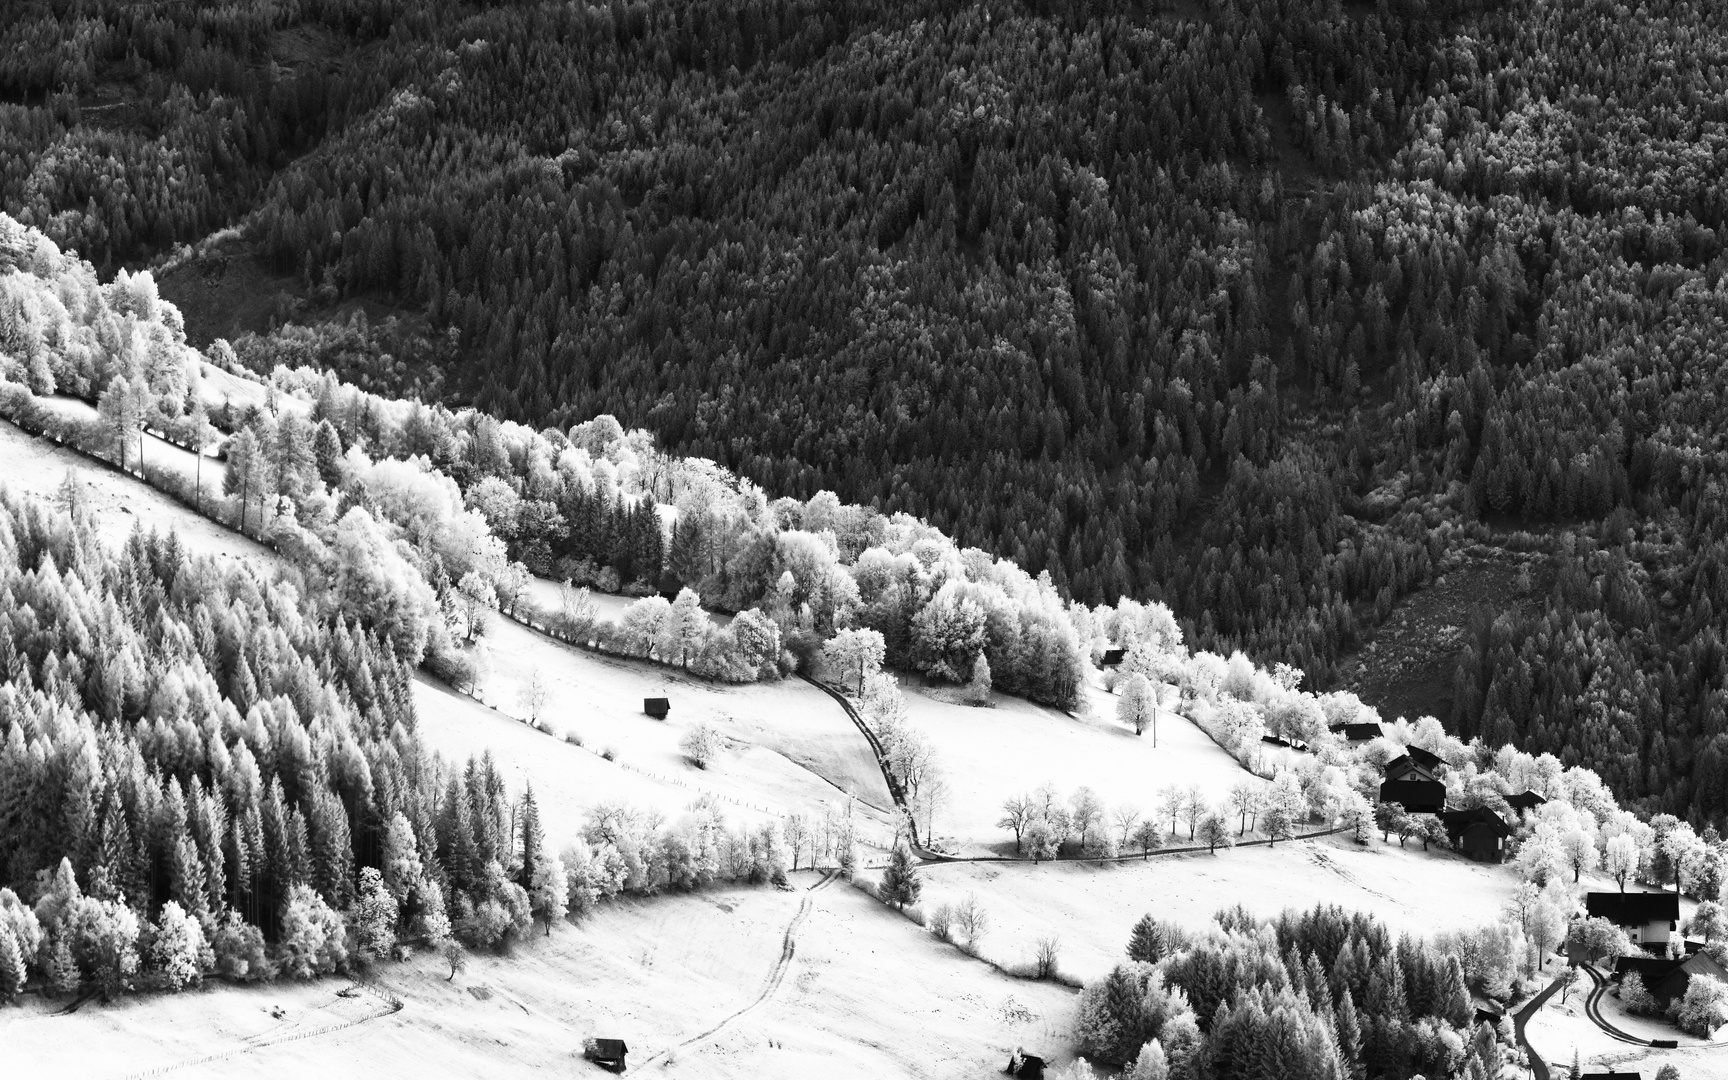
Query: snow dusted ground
865	994
1559	1030
1092	907
990	754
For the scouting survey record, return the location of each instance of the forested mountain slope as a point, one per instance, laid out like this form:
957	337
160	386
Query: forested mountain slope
1269	308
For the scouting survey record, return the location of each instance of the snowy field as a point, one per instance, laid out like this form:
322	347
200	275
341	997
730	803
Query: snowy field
865	994
1092	907
990	754
789	746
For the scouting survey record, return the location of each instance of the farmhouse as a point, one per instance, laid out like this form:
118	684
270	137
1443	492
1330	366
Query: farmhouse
1667	979
1357	732
1412	786
657	707
1478	832
1648	918
1525	800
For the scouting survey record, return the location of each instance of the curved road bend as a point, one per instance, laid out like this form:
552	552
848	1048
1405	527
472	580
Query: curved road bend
1538	1067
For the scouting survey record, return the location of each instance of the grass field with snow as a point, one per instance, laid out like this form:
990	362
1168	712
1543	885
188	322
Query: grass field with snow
865	994
989	754
1092	907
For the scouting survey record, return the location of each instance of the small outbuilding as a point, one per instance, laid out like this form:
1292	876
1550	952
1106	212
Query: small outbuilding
1026	1066
606	1053
1649	918
1112	657
1479	833
1611	1076
1525	800
1357	732
1491	1017
657	707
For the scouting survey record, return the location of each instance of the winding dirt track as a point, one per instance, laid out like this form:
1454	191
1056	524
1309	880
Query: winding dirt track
776	976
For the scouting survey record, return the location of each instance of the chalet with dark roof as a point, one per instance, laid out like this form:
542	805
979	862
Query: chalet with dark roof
1667	979
1649	918
1525	800
1412	786
1478	833
1357	732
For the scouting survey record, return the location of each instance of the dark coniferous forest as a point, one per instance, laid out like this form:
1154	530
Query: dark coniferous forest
1272	309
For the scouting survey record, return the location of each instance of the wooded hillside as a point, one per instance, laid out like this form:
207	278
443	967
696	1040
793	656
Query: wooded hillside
1268	308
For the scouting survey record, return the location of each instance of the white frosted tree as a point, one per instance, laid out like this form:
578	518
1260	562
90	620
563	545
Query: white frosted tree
701	744
313	940
549	890
1150	1064
854	655
1137	705
375	913
179	952
1620	859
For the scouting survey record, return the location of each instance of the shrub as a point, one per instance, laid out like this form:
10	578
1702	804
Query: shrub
609	754
941	921
1637	999
573	738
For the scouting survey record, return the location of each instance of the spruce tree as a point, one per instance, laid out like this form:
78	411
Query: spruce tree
900	882
533	838
1146	942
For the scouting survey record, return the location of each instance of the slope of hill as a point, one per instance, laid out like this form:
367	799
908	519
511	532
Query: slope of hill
864	994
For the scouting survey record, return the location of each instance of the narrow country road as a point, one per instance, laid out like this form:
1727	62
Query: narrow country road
1593	1009
1538	1067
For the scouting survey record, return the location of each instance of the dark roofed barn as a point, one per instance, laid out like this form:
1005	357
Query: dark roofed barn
1667	979
1478	832
1025	1066
1610	1076
606	1053
657	707
1112	657
1358	732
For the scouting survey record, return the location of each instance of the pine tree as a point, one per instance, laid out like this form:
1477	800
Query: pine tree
1146	942
1349	1032
533	838
62	973
327	451
900	882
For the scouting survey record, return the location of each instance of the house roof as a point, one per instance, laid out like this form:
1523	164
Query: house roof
1357	732
608	1048
1460	821
1610	1076
1405	767
1112	656
1525	800
1428	759
1279	740
1633	909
